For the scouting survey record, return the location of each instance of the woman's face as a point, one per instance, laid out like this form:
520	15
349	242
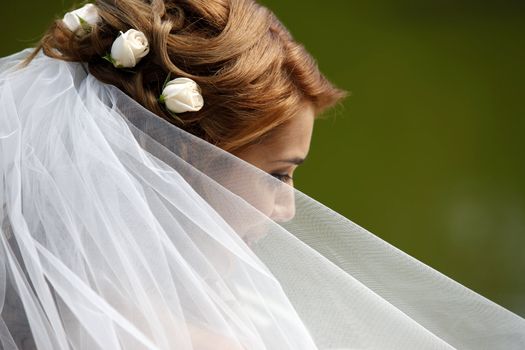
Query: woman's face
279	154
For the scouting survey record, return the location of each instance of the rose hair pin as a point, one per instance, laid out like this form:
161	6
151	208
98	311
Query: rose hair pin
178	95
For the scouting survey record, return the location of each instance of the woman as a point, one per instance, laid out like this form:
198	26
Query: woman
147	153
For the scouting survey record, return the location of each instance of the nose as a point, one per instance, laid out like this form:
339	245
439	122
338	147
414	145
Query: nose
284	206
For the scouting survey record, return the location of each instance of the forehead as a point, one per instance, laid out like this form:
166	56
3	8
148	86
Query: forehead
294	136
289	140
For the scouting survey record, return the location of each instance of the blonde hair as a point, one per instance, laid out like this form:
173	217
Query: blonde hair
253	75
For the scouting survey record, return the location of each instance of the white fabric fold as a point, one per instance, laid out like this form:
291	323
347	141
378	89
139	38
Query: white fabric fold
122	231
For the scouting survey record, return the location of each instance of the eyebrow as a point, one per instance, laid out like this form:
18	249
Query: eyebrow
296	161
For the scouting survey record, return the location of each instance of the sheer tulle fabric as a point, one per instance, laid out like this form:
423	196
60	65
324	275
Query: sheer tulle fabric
122	231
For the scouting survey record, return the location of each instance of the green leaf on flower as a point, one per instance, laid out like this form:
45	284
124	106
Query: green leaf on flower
110	59
168	78
84	25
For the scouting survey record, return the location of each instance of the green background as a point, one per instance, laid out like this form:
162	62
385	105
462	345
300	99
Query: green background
428	151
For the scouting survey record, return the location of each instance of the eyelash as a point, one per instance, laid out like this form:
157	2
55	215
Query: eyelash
282	177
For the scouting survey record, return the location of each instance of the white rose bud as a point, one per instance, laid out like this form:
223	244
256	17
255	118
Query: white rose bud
129	48
81	19
182	95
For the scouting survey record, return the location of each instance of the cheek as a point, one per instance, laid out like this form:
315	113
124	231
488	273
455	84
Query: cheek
261	192
284	204
263	196
275	200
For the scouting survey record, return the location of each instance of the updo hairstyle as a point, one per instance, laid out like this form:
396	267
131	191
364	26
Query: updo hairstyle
253	75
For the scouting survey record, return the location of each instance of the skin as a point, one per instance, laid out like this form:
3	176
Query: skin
279	155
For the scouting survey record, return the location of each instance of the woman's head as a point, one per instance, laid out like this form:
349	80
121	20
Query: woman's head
279	153
254	77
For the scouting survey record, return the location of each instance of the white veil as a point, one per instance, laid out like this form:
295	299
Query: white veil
122	231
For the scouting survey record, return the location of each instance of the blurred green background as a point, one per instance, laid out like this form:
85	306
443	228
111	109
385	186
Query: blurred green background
428	151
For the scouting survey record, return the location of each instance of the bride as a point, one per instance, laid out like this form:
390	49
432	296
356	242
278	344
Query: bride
147	152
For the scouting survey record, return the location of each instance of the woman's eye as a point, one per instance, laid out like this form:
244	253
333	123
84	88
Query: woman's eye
283	177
